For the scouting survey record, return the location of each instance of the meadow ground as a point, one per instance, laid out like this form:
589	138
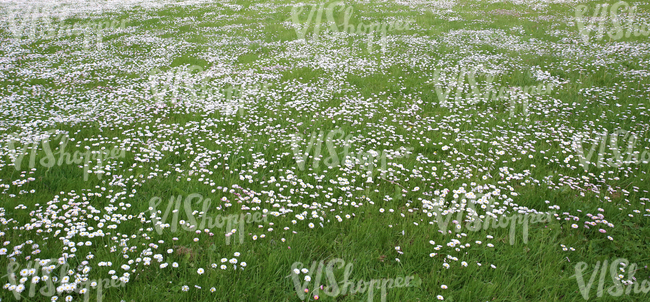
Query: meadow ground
482	150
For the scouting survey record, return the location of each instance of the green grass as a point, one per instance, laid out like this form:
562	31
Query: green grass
385	101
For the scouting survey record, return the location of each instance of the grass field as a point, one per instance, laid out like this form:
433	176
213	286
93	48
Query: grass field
482	150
